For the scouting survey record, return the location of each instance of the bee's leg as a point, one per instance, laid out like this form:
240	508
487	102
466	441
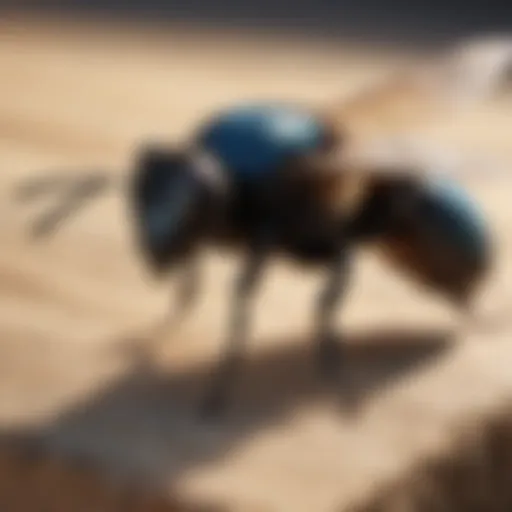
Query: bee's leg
185	295
244	292
329	346
187	290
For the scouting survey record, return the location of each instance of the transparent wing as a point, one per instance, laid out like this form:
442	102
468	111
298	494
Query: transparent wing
414	157
451	83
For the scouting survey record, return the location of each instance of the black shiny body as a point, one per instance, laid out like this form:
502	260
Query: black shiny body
288	209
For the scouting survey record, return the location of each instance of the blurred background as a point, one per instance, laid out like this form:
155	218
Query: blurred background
395	20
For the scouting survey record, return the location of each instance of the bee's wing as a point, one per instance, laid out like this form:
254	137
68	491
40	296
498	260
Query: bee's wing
408	157
351	175
453	82
476	69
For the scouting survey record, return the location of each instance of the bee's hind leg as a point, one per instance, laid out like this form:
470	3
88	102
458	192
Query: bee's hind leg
330	348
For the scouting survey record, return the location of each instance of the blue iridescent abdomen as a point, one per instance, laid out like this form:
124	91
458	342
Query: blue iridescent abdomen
444	242
456	220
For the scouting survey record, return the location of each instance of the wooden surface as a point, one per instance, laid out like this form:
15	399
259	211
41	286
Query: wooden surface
73	308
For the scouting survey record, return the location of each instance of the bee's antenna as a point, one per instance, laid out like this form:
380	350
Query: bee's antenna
40	186
76	193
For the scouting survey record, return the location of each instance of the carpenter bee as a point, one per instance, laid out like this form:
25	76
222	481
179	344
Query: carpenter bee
272	179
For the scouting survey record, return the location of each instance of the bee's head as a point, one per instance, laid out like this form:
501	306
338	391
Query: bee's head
175	199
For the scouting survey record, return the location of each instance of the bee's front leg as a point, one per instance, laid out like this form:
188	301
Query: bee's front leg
244	292
187	287
329	346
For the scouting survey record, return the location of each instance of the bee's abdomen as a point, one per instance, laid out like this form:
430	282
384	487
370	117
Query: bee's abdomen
444	242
